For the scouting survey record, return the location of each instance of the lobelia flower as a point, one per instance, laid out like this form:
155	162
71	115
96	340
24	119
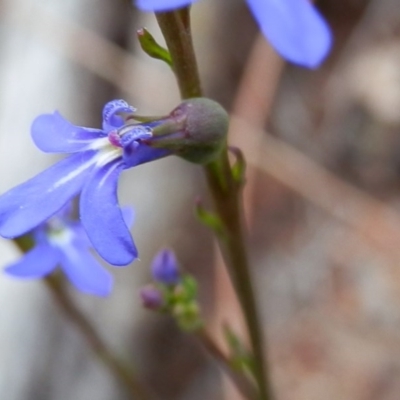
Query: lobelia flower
62	242
293	27
195	130
99	157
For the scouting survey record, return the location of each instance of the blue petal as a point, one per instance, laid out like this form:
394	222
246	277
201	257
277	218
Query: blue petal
84	271
54	134
136	155
128	213
102	217
295	29
65	213
111	119
162	5
38	262
29	204
131	134
81	236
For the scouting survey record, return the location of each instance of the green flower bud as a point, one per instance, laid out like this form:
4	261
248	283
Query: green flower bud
188	316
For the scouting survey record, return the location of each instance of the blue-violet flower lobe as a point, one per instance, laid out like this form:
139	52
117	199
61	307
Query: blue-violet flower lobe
294	28
99	156
61	241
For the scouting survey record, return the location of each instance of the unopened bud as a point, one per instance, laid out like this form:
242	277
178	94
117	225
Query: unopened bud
151	297
164	268
188	316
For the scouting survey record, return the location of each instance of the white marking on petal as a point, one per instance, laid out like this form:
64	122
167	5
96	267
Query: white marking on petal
73	174
102	157
110	171
98	144
60	237
108	155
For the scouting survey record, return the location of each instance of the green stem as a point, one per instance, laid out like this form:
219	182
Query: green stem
224	190
184	62
242	383
227	202
121	371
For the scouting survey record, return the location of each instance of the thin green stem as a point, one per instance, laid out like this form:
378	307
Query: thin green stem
121	371
242	383
182	52
224	190
227	202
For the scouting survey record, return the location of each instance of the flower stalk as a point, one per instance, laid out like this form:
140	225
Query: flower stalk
242	383
175	27
122	372
224	189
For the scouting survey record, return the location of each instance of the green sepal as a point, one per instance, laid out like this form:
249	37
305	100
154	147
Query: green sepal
181	303
152	48
209	219
146	118
188	291
187	316
238	168
240	357
195	130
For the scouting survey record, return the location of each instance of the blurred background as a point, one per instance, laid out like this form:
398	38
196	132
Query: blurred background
321	201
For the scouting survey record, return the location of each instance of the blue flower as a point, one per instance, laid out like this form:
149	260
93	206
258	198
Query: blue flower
164	268
99	156
293	27
62	242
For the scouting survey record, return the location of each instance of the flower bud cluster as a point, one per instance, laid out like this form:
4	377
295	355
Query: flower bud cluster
172	292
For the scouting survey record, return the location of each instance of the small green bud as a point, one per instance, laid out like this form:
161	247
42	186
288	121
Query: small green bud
196	130
239	166
240	357
188	316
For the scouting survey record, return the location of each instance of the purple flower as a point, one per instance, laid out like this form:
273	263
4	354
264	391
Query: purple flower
99	156
164	268
151	297
294	27
62	242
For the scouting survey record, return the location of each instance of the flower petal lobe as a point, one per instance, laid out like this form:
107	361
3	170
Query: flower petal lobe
38	262
162	5
54	134
29	204
295	29
84	271
102	217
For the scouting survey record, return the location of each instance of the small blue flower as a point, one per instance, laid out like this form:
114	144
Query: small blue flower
99	156
293	27
165	269
62	242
